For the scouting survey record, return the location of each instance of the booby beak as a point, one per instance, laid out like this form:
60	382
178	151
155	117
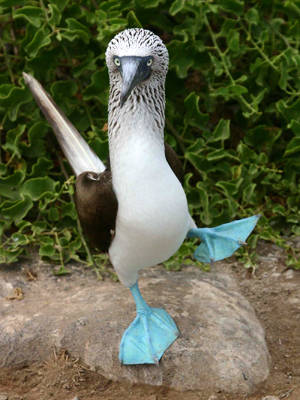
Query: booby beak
78	153
133	71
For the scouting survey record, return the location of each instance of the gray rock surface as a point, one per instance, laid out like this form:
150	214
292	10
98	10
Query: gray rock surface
270	398
222	344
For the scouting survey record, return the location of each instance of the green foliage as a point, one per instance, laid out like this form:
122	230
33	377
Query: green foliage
233	111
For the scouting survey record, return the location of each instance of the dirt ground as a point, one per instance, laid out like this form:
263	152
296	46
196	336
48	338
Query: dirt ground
273	291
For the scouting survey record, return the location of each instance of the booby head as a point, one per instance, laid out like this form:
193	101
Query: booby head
136	58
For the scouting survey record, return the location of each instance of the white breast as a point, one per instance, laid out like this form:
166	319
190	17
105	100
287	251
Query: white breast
153	218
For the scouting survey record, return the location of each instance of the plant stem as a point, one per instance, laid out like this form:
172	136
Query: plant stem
12	78
225	66
269	61
61	258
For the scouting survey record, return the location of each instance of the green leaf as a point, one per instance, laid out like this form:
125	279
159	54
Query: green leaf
100	146
38	227
47	250
221	132
40	40
133	21
284	75
60	4
9	185
220	154
9	256
196	160
55	15
205	214
295	127
234	6
13	140
176	7
87	64
63	89
34	15
99	88
182	56
16	210
76	30
19	239
193	115
292	147
246	154
293	7
53	214
68	210
10	3
252	16
230	188
219	67
249	195
150	3
230	91
12	98
37	188
229	25
23	225
233	40
262	136
62	270
238	89
36	143
41	167
289	111
3	169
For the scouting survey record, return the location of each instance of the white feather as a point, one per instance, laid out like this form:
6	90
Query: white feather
81	157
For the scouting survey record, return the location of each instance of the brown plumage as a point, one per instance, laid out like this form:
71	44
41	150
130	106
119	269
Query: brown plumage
97	205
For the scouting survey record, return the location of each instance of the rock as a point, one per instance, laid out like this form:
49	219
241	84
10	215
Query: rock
221	347
289	274
270	398
3	396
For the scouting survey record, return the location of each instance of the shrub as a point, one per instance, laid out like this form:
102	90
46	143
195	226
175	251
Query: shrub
233	110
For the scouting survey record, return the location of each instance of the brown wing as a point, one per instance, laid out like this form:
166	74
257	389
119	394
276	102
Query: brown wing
174	162
97	205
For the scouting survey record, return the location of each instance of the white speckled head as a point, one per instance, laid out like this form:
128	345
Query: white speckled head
146	96
141	43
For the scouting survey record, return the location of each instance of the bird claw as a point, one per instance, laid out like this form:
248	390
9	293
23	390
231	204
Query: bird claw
147	337
222	241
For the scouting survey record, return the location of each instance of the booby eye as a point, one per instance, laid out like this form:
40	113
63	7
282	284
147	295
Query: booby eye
117	61
149	62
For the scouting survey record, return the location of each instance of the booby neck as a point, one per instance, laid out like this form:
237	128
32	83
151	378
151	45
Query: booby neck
146	103
139	122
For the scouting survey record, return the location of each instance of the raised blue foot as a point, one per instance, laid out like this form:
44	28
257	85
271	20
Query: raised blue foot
149	335
223	240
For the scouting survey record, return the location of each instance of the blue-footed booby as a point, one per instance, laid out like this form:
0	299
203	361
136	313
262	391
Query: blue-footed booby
139	198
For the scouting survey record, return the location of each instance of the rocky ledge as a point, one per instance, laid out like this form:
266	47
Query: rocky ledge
222	344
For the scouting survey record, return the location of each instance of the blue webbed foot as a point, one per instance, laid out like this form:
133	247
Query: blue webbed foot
222	241
149	335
